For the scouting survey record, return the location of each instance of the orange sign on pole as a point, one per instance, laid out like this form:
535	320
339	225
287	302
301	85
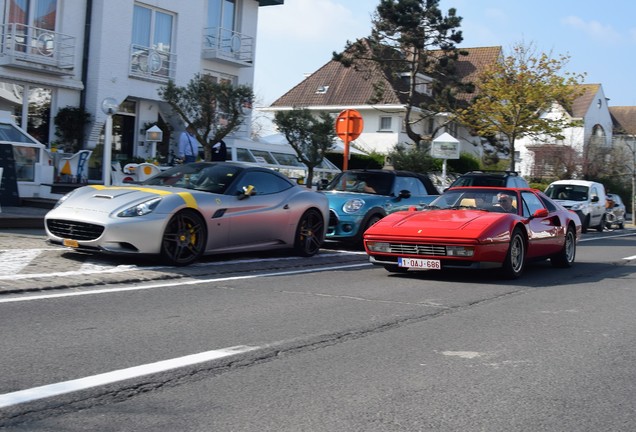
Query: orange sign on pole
349	126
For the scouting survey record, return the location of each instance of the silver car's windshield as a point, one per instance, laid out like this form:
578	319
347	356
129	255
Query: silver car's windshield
207	177
363	182
504	201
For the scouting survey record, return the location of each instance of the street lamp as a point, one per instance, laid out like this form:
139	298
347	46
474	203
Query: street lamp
110	107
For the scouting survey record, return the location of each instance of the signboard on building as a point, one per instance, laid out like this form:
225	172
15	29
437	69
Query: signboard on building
445	146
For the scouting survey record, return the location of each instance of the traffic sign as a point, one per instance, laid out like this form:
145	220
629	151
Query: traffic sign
349	125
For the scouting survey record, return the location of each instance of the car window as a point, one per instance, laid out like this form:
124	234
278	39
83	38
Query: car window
378	183
411	184
531	203
548	204
264	183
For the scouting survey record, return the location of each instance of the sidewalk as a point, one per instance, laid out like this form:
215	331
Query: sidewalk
24	216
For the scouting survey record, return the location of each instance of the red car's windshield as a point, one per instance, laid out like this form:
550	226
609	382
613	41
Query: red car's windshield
500	200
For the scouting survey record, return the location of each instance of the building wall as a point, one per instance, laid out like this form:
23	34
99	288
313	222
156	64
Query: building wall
110	52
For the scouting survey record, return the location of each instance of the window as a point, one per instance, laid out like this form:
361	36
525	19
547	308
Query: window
36	13
410	184
222	13
531	203
30	18
265	183
385	123
152	28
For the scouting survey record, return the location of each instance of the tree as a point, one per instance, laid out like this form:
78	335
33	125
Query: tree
513	97
214	109
69	126
413	44
309	136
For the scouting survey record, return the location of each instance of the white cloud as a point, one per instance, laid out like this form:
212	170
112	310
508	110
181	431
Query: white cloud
592	28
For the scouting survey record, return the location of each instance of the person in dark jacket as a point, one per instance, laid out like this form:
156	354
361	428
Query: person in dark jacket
219	151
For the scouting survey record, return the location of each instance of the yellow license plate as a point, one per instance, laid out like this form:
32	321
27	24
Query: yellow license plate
71	243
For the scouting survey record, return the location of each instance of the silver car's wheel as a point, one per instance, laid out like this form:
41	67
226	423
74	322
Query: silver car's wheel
565	258
515	260
309	233
184	239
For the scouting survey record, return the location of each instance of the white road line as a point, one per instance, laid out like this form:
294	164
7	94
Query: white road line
629	258
88	268
12	262
171	284
586	239
36	393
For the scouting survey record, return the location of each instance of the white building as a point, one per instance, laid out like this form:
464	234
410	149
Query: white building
77	53
546	157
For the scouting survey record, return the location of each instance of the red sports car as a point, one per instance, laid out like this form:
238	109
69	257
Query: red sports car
476	228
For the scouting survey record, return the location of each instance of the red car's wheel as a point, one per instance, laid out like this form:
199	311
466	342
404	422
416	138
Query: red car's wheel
184	239
515	260
565	258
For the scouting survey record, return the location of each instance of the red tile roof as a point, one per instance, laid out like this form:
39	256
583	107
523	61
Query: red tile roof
355	86
624	119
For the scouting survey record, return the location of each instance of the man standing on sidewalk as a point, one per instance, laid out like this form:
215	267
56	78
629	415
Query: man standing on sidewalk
188	145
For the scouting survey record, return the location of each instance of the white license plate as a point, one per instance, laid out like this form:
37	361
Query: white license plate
420	263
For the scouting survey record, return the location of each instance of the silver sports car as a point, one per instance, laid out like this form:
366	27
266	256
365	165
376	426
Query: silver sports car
192	210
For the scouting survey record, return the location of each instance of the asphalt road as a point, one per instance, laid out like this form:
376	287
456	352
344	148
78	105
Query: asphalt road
327	345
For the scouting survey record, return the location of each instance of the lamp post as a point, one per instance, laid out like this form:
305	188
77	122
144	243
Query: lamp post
109	106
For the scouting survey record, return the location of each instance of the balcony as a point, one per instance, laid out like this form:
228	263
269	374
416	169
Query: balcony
152	64
228	46
37	49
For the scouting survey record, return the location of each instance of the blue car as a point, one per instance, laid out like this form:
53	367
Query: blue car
360	198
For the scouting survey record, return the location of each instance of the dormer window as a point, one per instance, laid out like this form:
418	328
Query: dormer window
322	90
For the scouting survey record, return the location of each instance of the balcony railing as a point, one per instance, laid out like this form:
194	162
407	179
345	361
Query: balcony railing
152	63
37	49
228	46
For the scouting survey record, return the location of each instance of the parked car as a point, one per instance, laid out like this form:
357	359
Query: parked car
193	210
360	198
491	178
614	212
587	198
471	228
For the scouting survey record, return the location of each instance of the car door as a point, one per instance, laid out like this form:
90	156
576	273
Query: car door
545	234
263	216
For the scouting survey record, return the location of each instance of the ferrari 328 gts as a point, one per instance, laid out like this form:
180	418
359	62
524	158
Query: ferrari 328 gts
476	228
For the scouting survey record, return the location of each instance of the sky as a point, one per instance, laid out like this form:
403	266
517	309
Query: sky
298	37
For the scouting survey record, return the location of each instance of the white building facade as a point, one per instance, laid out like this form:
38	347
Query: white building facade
77	53
542	156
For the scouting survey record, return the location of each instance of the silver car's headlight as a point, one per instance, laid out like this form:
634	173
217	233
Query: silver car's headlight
141	209
64	198
353	205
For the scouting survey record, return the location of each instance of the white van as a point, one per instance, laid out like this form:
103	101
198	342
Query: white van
586	198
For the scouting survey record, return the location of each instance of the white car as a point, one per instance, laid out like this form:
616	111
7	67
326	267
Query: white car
587	198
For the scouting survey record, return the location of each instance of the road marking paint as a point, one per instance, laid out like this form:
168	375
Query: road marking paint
177	283
629	258
46	391
16	260
586	239
463	354
94	268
